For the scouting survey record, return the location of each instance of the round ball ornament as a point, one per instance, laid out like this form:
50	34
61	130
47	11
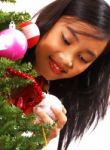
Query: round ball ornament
13	43
31	31
47	102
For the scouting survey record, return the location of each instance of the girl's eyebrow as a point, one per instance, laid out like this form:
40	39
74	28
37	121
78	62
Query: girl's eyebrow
74	33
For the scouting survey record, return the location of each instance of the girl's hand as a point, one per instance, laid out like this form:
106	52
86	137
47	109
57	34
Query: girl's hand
60	115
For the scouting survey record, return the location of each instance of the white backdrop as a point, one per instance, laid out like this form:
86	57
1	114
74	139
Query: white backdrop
32	6
99	138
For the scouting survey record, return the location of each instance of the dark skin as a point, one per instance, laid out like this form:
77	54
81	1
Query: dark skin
64	52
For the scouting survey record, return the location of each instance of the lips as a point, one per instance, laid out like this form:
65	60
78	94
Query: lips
55	67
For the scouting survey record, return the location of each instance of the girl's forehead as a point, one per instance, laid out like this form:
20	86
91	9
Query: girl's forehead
77	23
81	26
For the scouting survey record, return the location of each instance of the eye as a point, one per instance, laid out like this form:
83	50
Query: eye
83	59
65	40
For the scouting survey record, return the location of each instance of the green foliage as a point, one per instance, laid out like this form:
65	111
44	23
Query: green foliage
17	17
11	1
9	83
13	122
25	67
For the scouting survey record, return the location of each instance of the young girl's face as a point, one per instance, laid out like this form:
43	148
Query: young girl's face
67	49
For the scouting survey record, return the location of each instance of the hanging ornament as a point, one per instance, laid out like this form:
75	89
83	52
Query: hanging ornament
27	97
47	102
32	96
31	31
13	43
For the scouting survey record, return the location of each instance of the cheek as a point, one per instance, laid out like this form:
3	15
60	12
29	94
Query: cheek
46	45
41	50
53	41
78	69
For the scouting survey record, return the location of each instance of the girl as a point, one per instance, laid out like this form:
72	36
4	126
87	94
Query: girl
73	54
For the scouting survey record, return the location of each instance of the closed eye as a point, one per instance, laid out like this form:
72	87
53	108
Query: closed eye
83	60
65	40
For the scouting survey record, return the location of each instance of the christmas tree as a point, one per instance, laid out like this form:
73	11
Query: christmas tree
17	128
17	17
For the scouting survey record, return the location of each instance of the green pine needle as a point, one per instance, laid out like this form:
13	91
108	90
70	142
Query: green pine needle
11	1
13	122
17	17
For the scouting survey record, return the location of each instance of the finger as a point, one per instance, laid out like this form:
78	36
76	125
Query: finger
38	121
54	133
44	118
64	109
60	116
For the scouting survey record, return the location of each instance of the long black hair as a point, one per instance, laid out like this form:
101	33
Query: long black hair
86	95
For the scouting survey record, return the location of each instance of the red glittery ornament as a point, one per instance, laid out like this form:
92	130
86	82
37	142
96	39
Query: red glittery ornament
27	97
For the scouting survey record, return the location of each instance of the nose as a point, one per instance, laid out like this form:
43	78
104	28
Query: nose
67	59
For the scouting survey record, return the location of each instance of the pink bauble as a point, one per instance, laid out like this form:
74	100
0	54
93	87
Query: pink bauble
13	44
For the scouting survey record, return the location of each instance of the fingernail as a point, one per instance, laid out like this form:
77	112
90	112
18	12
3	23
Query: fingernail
55	108
52	107
38	109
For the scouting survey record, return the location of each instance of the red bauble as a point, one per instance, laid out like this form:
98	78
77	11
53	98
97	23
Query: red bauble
31	31
28	97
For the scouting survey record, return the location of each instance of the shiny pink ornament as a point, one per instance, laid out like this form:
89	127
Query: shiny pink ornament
13	44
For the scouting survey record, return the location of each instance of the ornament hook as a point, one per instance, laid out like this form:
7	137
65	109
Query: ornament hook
12	25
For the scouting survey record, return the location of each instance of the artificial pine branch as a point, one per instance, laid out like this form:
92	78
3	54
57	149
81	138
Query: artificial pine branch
11	1
24	67
13	122
17	17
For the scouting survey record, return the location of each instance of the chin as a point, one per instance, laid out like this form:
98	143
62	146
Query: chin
53	78
49	78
